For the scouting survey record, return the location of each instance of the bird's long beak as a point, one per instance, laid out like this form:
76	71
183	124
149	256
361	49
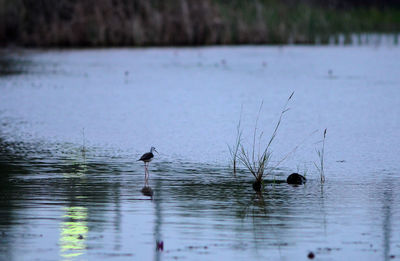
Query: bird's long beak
156	151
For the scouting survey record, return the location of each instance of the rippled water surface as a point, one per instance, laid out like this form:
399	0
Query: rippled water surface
73	123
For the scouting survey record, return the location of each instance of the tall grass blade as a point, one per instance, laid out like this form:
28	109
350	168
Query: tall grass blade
234	150
320	166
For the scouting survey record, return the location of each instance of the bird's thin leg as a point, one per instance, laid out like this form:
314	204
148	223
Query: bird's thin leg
145	172
146	177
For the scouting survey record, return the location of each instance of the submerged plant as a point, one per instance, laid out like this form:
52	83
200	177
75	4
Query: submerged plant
320	165
235	148
257	160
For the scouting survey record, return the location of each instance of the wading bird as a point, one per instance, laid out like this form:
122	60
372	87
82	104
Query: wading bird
146	158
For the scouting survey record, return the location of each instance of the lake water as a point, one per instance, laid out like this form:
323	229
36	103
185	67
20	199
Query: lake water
74	122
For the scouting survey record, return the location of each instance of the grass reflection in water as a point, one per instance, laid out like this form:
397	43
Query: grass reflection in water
74	232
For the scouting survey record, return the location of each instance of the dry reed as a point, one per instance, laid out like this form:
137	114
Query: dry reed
320	165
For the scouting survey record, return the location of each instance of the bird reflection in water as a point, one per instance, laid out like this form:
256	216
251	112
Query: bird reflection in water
147	191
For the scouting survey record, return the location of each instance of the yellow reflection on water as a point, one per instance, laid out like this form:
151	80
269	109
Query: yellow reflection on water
74	228
74	232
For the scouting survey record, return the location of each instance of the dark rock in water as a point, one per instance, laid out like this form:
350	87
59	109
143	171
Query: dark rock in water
257	185
311	255
296	178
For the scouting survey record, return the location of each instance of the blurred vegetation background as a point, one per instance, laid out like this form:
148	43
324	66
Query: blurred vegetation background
62	23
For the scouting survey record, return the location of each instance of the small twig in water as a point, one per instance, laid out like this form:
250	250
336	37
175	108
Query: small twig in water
83	141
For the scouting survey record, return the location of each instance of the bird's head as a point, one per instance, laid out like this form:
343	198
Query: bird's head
153	149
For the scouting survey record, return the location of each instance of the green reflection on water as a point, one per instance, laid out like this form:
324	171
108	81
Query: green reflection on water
74	232
75	229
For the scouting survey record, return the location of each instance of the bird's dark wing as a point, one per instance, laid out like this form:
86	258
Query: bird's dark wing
147	156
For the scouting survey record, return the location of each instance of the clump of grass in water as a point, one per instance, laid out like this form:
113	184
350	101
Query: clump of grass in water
235	148
320	166
257	162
